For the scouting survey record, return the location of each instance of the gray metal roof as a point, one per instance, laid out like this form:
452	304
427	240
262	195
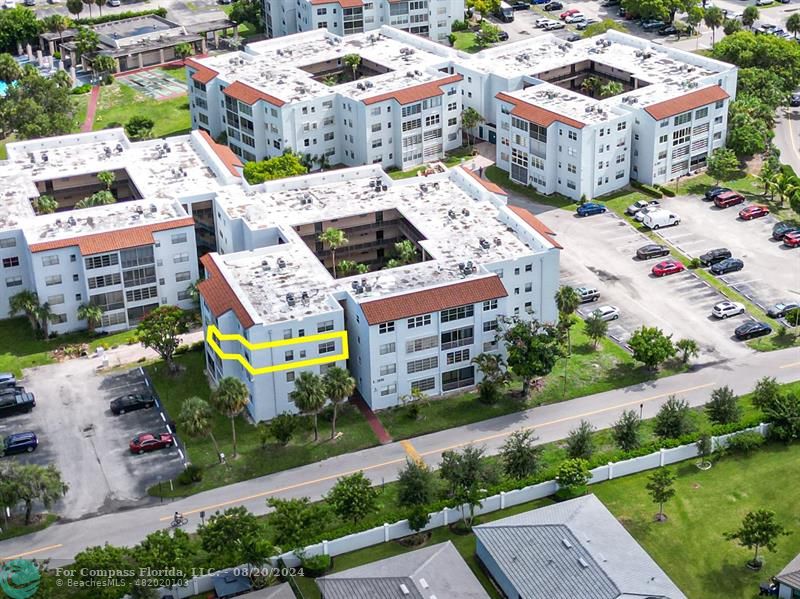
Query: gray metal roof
790	575
531	551
436	571
278	591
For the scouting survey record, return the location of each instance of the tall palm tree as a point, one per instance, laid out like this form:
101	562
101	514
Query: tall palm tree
784	186
45	204
590	84
194	419
45	314
567	301
91	314
750	16
309	397
793	24
100	4
339	386
335	238
230	398
713	18
353	61
28	302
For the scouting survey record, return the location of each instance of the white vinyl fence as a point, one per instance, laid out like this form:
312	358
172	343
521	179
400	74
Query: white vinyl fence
390	532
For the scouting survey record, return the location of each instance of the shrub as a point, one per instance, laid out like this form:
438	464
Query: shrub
459	26
745	442
647	189
192	474
81	89
695	263
452	39
670	193
673	420
316	565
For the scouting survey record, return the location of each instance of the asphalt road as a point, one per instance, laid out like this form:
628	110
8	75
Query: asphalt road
552	422
787	136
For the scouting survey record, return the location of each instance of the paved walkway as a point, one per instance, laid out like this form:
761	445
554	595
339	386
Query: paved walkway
374	423
382	463
91	109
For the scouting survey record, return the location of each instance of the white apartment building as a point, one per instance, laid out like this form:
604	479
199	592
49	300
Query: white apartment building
429	18
415	326
551	129
127	257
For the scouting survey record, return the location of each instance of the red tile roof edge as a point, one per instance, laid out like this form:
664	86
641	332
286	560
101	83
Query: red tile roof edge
219	295
250	95
414	303
493	187
204	74
342	3
415	92
536	225
536	114
686	102
224	153
109	241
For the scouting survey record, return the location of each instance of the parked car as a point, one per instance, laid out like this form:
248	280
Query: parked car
639	216
7	380
29	2
668	267
587	294
520	6
780	230
754	211
502	36
20	443
542	22
728	199
652	250
551	6
792	240
144	442
714	192
726	309
752	329
131	403
728	265
640	204
714	256
575	18
781	309
553	25
540	1
653	24
610	3
661	218
114	2
574	37
606	312
590	208
668	30
763	2
794	100
568	12
585	23
16	402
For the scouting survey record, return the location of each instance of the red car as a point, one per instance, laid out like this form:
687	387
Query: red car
754	211
568	12
150	442
667	267
729	198
792	240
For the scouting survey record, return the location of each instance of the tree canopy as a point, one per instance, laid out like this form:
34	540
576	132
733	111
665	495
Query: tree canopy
37	106
160	330
287	165
18	25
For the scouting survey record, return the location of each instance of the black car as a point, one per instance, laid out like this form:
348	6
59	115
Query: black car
752	329
668	30
520	6
714	192
7	380
781	309
19	443
714	256
652	250
550	6
503	36
131	402
794	100
573	37
16	402
726	266
780	230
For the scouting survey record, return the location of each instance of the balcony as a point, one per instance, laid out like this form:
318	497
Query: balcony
458	384
458	343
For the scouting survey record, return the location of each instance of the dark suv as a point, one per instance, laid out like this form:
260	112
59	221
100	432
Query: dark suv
20	443
714	256
714	192
7	380
16	401
131	402
780	230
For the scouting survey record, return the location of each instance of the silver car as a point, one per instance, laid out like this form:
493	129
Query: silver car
606	313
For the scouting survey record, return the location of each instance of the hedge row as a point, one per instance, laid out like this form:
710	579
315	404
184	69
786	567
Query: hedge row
648	189
670	193
161	12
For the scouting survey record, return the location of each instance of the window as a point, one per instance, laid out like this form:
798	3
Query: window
51	260
108	301
182	276
137	257
419	321
421	344
412	124
528	287
682	118
571	168
288	355
681	136
13	281
387	348
327	347
663	139
8	242
702	113
137	313
388	369
457	313
422	364
719	104
324	326
492	304
431	120
619	175
52	280
104	280
412	109
573	135
662	154
386	327
621	126
139	276
461	355
287	333
101	261
538	133
528	268
290	376
423	384
182	257
452	122
109	320
9	262
455	379
59	318
457	338
389	390
54	300
144	293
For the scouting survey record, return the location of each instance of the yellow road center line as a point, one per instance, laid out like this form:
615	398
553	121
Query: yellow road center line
411	451
31	552
790	365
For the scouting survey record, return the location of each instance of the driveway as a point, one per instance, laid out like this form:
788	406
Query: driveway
771	271
78	433
599	251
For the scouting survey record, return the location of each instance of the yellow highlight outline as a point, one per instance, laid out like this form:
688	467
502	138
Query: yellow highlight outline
213	331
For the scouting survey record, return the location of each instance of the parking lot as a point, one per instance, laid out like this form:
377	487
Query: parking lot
78	433
771	271
600	252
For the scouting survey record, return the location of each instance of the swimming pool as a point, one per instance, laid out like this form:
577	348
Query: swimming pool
3	88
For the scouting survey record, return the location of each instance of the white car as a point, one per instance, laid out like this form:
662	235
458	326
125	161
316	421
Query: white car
642	212
726	308
542	22
763	2
575	18
553	25
607	313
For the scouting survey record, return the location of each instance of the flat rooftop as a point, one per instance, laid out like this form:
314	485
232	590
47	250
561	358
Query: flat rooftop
135	26
452	217
566	102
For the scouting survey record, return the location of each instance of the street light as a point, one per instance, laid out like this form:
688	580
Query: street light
641	410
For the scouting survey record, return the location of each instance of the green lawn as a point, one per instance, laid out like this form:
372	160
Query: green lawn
25	351
253	460
176	72
588	372
118	103
500	177
466	42
15	527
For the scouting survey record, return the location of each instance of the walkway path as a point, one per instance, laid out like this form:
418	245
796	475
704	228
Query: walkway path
374	423
382	463
91	109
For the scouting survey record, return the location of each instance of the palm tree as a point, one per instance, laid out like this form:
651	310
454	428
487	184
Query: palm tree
100	4
324	161
335	239
58	24
784	186
107	178
28	302
91	314
103	64
793	24
590	84
10	70
309	396
89	3
750	16
339	386
75	7
184	51
195	420
45	314
470	118
45	204
406	252
353	61
567	301
362	269
612	88
230	398
347	267
713	18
